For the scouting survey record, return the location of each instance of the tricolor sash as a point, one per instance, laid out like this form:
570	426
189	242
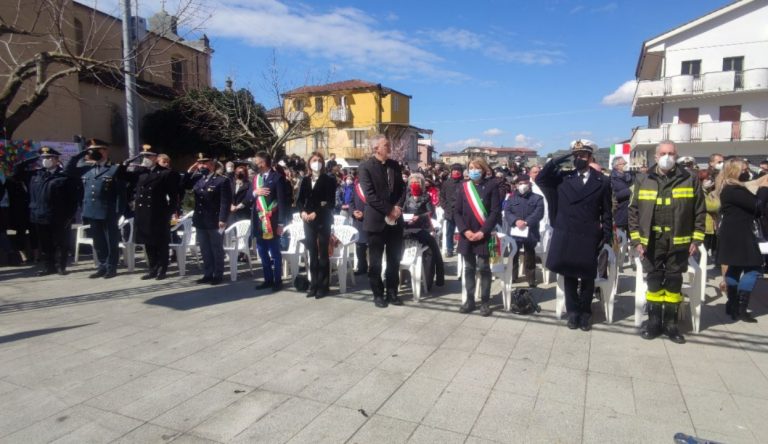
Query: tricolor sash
359	191
264	210
480	212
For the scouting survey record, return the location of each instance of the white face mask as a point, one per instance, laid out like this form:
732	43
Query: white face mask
146	162
719	166
349	182
49	163
316	166
230	169
523	188
666	162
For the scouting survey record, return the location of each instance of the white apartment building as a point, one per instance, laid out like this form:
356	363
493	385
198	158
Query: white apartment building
704	85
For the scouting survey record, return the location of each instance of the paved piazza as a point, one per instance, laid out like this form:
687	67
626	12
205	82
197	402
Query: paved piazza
126	360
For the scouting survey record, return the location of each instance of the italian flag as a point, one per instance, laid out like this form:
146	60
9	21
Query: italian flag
621	149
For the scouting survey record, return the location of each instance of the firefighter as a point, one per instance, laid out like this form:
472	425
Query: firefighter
666	225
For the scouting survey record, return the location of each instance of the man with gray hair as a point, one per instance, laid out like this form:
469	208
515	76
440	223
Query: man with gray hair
666	225
621	183
381	181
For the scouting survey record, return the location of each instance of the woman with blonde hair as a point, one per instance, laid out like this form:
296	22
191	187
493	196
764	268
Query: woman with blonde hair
737	244
419	205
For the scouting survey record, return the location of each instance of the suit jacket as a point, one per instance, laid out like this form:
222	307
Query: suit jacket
358	204
52	195
319	200
530	208
581	219
384	189
243	196
155	200
465	219
278	193
213	196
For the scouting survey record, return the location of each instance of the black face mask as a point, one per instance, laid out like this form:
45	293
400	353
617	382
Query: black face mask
204	171
95	155
580	164
744	177
240	175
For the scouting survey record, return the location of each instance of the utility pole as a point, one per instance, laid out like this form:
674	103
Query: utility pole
129	72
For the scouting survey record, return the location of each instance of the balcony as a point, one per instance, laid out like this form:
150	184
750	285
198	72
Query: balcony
296	116
341	114
744	131
648	92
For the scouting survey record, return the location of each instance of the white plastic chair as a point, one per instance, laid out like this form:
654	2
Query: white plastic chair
623	256
347	235
184	228
338	219
292	257
236	241
542	250
128	246
501	270
694	288
296	218
607	286
82	239
413	252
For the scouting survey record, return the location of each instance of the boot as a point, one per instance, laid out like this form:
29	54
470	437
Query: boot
468	307
392	298
731	306
670	323
741	308
653	328
530	276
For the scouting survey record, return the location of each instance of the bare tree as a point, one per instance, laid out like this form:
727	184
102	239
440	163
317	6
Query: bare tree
43	42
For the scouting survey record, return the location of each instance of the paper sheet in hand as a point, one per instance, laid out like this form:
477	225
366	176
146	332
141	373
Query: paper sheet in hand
517	232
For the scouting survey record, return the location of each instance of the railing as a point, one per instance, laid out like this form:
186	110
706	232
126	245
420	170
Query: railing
743	131
296	116
341	114
711	82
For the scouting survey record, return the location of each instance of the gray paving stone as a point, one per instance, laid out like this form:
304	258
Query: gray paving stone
464	338
553	421
504	417
299	376
136	389
335	424
266	369
457	408
431	435
196	409
230	421
563	384
497	343
334	382
148	434
647	395
443	364
384	430
154	403
414	399
611	393
373	353
406	358
716	412
480	370
371	392
521	376
282	422
603	425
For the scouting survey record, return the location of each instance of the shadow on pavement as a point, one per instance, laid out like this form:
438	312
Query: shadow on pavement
203	297
32	333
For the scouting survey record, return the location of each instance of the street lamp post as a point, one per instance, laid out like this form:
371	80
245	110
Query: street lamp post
129	73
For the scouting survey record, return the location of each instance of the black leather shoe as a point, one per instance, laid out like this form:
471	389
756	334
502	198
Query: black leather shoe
277	286
151	275
394	300
361	272
62	271
312	292
216	280
485	310
110	274
204	280
98	274
467	308
45	272
321	294
585	322
161	275
573	321
380	302
440	281
449	254
264	285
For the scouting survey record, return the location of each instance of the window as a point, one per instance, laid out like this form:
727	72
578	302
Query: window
395	103
691	67
688	115
735	64
177	74
358	139
318	104
298	104
79	37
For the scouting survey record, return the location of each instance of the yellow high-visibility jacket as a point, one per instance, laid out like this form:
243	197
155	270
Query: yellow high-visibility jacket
688	216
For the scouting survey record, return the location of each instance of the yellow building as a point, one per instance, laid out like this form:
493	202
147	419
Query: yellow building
339	118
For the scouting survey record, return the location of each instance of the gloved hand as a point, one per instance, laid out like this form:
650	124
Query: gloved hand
131	160
81	154
30	160
562	159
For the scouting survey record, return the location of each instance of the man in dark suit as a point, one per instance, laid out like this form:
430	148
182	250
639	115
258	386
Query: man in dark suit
448	202
156	195
356	208
524	211
580	206
52	206
213	196
103	202
270	214
382	183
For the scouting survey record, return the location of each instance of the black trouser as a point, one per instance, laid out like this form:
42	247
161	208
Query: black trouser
391	240
157	256
473	265
361	249
435	268
106	242
316	239
529	261
578	298
665	268
54	244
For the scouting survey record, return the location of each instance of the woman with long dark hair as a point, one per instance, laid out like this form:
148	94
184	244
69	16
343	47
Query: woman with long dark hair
316	200
737	244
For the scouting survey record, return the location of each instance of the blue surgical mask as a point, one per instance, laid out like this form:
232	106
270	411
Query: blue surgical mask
475	174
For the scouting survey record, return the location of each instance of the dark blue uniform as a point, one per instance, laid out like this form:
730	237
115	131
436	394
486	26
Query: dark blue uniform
213	197
104	202
528	207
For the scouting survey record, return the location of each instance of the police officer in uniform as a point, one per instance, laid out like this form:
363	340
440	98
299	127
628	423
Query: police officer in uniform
52	206
666	224
104	201
156	198
213	197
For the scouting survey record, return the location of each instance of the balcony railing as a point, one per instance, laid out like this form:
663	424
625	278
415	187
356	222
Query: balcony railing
341	114
711	82
296	116
744	131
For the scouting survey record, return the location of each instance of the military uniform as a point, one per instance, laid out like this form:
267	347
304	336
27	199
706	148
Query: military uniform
104	201
666	214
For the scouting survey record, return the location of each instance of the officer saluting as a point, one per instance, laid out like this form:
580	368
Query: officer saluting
52	206
103	202
156	198
213	196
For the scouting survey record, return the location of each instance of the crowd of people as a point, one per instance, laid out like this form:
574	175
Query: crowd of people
666	210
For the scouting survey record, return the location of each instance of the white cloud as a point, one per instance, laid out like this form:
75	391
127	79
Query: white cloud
521	140
608	7
461	144
623	94
491	47
493	132
457	38
580	134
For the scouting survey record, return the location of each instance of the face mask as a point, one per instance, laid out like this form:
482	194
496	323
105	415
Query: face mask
666	162
456	175
204	171
230	170
580	164
147	162
240	175
415	189
707	184
405	178
523	188
744	177
475	174
316	166
48	163
349	182
719	166
95	155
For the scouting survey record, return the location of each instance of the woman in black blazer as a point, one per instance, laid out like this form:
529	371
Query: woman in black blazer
737	245
316	200
242	196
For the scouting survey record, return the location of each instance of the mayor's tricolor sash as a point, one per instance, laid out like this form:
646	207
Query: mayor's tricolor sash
359	191
480	212
264	210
